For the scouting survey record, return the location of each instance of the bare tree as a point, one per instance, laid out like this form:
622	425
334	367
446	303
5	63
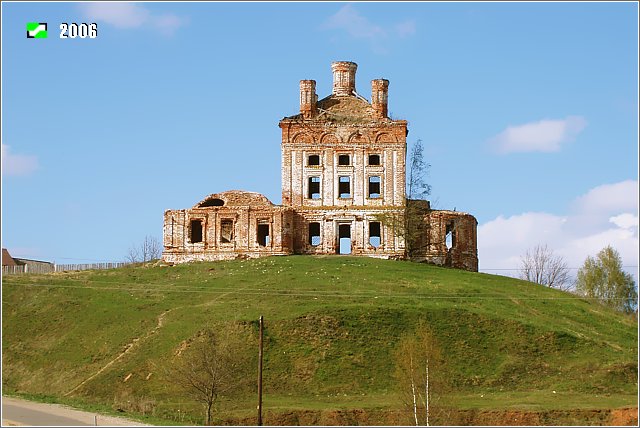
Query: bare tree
213	364
541	266
417	188
149	249
409	224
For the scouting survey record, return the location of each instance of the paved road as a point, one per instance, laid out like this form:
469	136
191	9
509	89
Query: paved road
21	412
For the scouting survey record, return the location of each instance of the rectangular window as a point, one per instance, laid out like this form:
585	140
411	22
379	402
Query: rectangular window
313	160
374	159
262	234
374	233
195	234
226	231
344	160
314	234
344	187
374	187
450	237
314	188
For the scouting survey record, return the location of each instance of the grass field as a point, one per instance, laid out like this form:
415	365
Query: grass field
105	338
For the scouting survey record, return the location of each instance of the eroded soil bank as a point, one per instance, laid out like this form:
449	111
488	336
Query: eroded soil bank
612	417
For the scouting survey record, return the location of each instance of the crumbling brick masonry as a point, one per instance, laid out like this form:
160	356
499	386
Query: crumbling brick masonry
343	173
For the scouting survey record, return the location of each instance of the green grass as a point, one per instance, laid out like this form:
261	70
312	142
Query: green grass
332	325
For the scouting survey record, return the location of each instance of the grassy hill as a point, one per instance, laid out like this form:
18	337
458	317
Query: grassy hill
332	324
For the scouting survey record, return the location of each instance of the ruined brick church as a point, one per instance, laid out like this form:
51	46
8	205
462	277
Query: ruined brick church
343	173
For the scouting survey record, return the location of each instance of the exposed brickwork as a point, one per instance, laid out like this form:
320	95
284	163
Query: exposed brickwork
459	250
351	140
379	97
308	98
343	171
244	212
344	77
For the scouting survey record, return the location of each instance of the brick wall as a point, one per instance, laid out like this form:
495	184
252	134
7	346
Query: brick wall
340	137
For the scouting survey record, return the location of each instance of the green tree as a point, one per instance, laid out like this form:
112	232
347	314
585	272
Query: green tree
420	376
602	278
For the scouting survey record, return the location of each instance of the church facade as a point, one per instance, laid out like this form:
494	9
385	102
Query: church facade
343	176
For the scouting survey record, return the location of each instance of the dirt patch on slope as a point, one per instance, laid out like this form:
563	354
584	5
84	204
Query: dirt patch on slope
625	417
372	417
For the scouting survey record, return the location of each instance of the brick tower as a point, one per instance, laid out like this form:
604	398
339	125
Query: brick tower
343	166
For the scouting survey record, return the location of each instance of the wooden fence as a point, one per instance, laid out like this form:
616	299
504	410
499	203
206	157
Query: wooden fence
34	268
9	270
49	268
87	266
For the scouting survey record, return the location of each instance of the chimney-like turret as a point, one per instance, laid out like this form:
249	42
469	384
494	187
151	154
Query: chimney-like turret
379	96
344	77
308	98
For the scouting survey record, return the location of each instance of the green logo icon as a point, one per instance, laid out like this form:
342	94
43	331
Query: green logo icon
36	30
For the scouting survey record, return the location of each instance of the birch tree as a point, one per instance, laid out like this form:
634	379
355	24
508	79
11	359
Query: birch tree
420	375
602	278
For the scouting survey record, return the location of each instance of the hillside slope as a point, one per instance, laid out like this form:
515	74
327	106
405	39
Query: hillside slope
332	328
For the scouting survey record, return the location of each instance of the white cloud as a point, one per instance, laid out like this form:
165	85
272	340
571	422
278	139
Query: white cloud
605	215
502	241
609	198
131	15
543	136
13	164
120	15
350	20
358	26
407	28
625	221
594	209
167	23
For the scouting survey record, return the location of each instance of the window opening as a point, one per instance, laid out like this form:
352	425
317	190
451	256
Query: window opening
344	236
374	233
196	231
344	187
226	231
314	188
450	238
314	160
212	203
344	160
314	234
263	236
374	159
374	187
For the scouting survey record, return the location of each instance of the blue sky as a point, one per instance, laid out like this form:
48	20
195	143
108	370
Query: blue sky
528	113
